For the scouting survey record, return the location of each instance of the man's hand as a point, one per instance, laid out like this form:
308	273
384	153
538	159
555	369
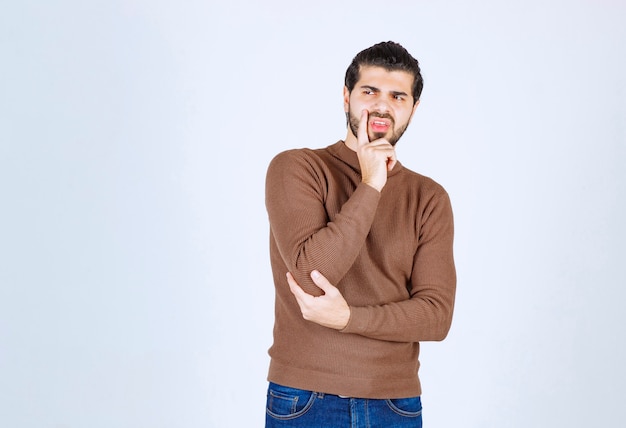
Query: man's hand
375	158
329	310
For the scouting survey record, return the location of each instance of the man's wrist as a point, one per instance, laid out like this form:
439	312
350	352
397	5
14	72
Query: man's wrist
373	186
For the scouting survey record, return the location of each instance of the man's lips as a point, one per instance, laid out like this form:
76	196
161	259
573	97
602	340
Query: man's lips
378	124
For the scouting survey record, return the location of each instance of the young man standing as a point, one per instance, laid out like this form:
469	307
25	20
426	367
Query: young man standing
361	253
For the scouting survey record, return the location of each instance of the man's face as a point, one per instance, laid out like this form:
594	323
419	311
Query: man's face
387	96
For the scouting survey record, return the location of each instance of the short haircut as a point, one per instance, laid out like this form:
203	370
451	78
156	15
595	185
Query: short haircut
392	57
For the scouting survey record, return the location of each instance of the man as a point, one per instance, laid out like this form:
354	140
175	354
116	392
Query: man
361	253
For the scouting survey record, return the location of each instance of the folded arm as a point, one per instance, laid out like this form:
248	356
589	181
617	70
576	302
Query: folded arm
301	225
425	315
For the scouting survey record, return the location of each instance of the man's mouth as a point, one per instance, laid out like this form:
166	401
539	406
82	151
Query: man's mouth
378	124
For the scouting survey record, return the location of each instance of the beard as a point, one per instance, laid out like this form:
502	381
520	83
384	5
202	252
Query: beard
354	123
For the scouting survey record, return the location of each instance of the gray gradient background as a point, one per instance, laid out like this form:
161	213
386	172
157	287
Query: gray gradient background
135	289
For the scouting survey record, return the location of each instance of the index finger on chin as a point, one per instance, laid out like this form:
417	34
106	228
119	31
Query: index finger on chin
362	136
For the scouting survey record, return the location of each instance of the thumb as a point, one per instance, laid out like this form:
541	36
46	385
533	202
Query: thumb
321	281
362	137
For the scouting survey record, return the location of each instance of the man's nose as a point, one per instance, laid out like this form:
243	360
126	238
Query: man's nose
381	105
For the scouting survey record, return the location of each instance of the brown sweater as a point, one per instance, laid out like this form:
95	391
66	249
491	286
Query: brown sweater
390	255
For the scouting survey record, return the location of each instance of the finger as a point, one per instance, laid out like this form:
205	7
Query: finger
296	290
389	151
321	281
392	161
362	137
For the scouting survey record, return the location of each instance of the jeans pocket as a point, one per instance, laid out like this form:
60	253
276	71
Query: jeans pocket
288	403
408	407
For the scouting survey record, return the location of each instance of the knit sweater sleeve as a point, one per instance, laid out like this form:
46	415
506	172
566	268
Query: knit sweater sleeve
307	239
427	313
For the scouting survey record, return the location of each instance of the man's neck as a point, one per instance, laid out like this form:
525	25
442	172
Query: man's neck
351	141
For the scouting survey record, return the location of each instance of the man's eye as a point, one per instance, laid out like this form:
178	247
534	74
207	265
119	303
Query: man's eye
398	97
368	92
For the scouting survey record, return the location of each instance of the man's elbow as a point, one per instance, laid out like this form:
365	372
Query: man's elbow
442	327
442	333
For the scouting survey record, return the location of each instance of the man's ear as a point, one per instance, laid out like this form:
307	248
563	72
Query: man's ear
346	99
413	112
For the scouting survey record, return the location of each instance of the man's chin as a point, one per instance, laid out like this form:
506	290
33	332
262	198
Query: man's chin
377	135
389	137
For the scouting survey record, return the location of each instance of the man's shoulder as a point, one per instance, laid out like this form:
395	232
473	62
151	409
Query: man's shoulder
421	181
301	152
300	156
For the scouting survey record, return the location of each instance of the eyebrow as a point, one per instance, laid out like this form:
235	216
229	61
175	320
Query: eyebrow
404	94
372	88
375	89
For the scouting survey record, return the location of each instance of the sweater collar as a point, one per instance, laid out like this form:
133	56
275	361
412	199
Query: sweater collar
344	153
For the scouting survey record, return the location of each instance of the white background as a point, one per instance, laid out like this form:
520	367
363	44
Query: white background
135	288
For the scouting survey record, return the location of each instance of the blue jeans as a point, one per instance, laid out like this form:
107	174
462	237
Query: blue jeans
291	407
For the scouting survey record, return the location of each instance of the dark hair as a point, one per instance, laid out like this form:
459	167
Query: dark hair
392	57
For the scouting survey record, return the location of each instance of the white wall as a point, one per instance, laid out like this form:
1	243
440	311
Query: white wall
135	288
